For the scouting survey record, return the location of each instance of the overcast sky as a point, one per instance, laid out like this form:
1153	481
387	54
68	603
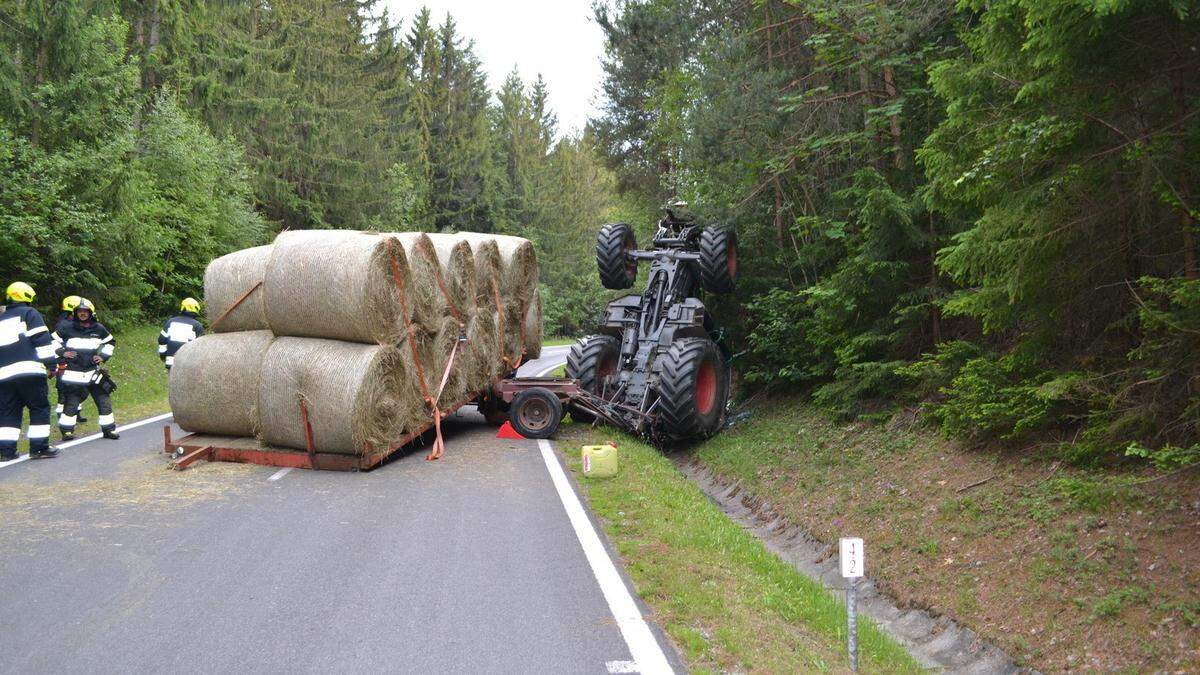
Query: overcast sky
556	38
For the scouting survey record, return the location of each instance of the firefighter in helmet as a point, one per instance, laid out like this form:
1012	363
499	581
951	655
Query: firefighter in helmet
25	350
69	304
86	345
179	330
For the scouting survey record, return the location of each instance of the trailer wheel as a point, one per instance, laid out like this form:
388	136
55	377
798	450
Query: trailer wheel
718	259
536	413
592	361
693	389
617	270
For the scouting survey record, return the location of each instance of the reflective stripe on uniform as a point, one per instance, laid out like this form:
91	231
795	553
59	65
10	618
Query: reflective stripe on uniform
11	330
180	332
107	420
45	351
170	360
106	351
85	344
38	431
9	434
162	349
22	368
77	377
58	409
36	331
67	421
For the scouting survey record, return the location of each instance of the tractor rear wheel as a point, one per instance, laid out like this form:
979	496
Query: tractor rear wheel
617	269
693	389
718	259
593	360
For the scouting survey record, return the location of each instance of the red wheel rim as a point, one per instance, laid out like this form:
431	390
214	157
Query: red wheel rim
706	388
535	414
731	254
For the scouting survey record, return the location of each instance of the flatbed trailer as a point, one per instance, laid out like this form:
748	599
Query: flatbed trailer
191	448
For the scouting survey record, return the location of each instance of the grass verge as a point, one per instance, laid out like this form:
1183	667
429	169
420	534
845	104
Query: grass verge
558	341
1063	568
728	603
141	383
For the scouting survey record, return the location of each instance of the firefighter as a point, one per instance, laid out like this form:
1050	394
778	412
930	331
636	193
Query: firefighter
85	345
179	330
69	304
25	350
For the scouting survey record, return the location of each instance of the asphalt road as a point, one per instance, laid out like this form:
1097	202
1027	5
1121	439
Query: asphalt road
110	562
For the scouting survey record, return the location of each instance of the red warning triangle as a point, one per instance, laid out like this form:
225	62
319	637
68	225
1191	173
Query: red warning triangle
507	431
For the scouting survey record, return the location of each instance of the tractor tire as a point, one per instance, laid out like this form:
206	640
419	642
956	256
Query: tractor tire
592	360
718	259
693	389
617	270
536	413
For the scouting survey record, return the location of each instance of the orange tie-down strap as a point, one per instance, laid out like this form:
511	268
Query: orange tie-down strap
439	444
520	358
234	306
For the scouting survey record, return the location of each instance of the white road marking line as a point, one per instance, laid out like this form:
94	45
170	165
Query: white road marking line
621	666
550	369
648	656
280	473
86	439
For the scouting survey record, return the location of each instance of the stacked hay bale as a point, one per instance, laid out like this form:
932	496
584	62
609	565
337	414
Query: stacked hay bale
354	333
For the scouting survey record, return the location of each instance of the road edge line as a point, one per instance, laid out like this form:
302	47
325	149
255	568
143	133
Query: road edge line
643	647
87	439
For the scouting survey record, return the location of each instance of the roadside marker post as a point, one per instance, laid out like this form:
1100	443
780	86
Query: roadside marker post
852	569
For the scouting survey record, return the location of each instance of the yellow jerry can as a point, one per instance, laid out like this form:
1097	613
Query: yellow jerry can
600	461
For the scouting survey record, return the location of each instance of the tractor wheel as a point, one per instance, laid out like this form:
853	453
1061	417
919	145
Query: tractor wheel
617	270
592	361
718	259
536	413
693	388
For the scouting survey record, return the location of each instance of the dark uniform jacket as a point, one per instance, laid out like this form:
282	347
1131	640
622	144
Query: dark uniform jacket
25	345
86	340
176	332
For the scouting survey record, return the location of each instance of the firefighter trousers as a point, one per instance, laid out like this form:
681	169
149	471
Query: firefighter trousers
15	396
76	395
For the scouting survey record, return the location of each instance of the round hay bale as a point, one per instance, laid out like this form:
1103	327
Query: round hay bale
520	268
533	328
228	278
424	298
333	284
483	364
354	394
457	381
488	269
458	272
215	380
509	326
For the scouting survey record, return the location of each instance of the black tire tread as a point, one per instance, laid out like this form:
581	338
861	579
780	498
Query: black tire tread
582	363
714	259
678	416
610	256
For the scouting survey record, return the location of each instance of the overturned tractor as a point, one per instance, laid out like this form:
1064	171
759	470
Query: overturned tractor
658	366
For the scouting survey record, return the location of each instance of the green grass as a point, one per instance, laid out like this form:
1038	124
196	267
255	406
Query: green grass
728	603
558	341
141	383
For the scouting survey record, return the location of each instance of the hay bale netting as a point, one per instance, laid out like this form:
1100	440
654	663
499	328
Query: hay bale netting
459	378
215	380
488	269
425	304
228	278
354	393
333	284
458	271
533	328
